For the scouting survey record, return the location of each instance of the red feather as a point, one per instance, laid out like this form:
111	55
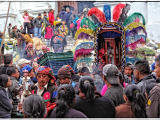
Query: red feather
117	11
98	13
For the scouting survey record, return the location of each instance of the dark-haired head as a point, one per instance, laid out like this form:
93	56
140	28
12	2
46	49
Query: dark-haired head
138	104
157	66
128	70
8	58
142	69
23	32
5	81
87	86
51	10
10	24
12	71
63	9
34	107
85	71
66	95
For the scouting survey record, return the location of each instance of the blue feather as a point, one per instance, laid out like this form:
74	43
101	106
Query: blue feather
107	12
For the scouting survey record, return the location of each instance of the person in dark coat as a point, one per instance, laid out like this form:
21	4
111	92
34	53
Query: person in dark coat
64	107
13	33
142	75
8	60
64	76
13	73
91	103
69	13
63	14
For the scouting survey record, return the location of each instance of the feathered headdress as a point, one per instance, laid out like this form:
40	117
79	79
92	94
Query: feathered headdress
95	19
89	23
107	12
87	31
134	25
123	15
133	17
117	11
98	13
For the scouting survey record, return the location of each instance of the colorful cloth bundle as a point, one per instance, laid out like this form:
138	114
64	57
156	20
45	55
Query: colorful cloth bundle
135	31
82	52
133	46
87	31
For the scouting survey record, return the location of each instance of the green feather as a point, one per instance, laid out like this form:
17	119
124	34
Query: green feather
133	17
89	23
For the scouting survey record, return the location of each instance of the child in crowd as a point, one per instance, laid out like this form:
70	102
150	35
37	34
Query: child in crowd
79	21
49	34
5	101
58	22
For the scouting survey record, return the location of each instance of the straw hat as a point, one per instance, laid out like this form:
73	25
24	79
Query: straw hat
38	43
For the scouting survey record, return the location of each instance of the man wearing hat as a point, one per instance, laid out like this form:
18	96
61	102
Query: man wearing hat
37	26
111	79
64	76
21	64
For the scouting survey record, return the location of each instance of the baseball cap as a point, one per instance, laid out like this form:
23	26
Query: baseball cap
110	72
27	67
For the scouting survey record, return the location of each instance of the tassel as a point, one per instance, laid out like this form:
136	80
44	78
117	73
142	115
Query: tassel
134	25
117	11
98	13
87	31
133	17
107	12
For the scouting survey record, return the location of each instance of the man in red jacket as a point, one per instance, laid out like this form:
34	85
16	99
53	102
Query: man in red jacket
51	18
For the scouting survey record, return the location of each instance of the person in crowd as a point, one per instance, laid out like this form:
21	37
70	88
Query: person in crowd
27	38
8	60
128	70
44	50
142	75
31	26
21	28
79	21
9	29
58	42
63	14
121	80
79	70
64	76
58	22
5	102
13	33
26	21
37	26
51	18
64	105
74	29
13	73
48	34
153	105
34	107
91	103
98	81
29	53
45	17
21	63
21	45
149	88
68	15
135	106
85	11
114	88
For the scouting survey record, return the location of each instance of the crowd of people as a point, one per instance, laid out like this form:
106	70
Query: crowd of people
34	91
53	30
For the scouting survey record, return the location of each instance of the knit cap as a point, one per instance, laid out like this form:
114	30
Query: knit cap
64	72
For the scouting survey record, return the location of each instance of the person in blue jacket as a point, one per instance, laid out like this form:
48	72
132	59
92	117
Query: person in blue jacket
74	29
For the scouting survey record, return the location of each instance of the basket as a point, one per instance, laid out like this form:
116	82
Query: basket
50	56
132	60
56	65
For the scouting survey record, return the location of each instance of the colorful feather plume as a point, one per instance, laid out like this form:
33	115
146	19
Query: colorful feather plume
85	45
95	19
87	31
89	23
134	25
123	15
133	17
83	35
98	13
117	11
107	12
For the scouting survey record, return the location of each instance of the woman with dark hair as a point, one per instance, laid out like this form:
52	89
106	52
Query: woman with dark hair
34	107
57	42
64	107
5	102
135	106
91	103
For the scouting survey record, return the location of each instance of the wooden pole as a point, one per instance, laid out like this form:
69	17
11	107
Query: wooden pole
5	28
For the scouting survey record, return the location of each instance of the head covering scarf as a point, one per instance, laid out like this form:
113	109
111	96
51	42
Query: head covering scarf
69	67
44	48
48	71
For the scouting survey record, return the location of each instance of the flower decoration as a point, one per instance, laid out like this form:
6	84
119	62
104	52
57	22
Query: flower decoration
47	96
